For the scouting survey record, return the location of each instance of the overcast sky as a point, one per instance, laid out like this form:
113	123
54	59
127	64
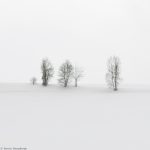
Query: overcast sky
87	32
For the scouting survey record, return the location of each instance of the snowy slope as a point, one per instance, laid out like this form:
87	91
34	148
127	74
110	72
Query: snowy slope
84	118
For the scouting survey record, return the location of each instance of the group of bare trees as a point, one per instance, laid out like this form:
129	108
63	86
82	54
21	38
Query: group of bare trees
67	72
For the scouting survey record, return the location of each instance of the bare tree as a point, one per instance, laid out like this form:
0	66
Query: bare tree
65	73
77	74
113	74
33	80
47	71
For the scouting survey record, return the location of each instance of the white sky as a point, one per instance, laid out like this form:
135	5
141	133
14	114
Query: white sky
85	31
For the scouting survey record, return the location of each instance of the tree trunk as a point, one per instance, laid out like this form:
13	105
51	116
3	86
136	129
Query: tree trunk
76	83
44	82
115	87
65	85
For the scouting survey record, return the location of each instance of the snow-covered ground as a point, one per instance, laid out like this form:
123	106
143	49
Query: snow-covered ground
84	118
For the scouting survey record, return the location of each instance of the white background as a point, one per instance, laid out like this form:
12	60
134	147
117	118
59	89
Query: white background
85	31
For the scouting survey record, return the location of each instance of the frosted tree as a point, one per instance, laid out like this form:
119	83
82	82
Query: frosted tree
65	73
47	71
113	74
33	80
77	75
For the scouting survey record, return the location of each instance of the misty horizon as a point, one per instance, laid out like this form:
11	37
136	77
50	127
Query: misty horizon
85	32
